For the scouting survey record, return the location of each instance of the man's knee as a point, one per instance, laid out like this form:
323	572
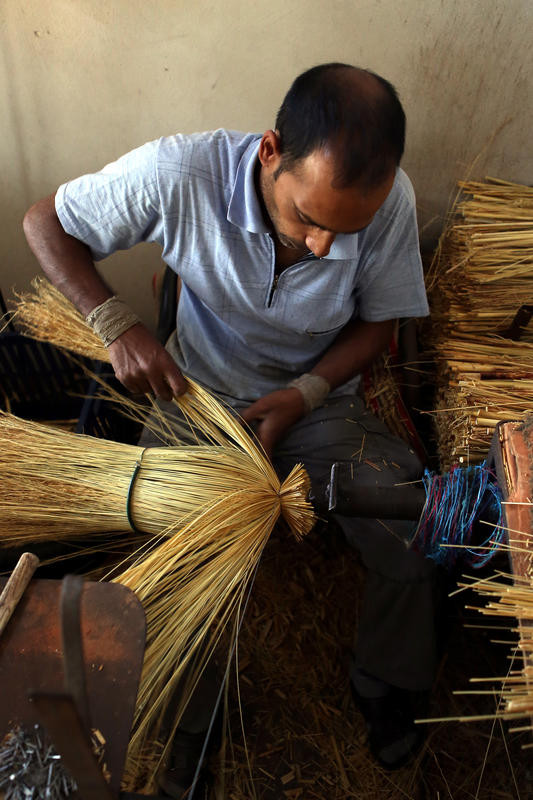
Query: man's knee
385	548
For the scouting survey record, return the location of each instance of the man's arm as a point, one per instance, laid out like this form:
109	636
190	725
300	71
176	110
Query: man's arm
140	362
354	349
356	346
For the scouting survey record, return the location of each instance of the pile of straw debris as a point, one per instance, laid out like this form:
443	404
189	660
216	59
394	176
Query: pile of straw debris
294	731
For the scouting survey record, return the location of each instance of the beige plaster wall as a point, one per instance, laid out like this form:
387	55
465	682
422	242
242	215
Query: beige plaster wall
82	81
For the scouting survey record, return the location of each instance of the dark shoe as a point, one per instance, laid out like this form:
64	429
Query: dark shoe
393	737
177	779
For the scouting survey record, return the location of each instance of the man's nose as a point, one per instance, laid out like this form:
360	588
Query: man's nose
319	242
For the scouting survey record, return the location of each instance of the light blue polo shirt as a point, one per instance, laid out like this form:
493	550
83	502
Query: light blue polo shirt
240	334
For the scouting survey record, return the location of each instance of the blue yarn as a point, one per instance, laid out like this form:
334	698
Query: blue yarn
454	502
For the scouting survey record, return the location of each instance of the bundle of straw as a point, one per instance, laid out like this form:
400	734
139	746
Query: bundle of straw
482	274
210	509
59	485
46	315
480	382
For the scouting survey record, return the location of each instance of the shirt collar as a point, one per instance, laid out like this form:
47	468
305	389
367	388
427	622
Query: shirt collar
244	208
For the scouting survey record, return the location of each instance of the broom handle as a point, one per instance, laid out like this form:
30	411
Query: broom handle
15	587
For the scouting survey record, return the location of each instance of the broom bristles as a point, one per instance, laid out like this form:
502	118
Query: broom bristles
211	509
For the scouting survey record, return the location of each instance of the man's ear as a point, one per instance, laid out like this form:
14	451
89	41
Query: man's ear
270	150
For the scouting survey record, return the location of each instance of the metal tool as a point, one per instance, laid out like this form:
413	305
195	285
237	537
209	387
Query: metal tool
341	493
80	645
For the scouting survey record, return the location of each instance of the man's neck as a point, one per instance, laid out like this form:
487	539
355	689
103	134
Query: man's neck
287	256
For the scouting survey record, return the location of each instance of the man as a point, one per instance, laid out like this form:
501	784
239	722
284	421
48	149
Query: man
297	251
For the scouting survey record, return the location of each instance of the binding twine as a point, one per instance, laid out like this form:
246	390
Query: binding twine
454	503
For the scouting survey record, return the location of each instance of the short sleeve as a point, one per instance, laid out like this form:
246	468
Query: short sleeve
392	279
117	207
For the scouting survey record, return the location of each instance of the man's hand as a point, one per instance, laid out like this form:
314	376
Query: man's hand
143	365
276	412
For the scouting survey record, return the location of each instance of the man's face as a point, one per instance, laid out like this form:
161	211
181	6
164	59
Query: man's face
306	212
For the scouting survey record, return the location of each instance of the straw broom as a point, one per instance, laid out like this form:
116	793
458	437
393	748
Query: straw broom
192	577
212	507
44	470
190	586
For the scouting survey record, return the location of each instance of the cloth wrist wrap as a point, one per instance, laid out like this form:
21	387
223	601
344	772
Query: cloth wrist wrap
313	388
111	319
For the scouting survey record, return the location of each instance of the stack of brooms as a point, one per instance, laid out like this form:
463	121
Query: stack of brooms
480	278
199	515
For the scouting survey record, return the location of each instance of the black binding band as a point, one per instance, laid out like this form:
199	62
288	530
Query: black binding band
130	492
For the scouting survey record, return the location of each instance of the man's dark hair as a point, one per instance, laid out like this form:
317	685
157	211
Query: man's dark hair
352	111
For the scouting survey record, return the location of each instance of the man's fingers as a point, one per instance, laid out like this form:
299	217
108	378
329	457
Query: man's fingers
248	414
164	381
160	385
143	365
170	384
172	377
136	386
267	438
257	410
161	389
178	383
